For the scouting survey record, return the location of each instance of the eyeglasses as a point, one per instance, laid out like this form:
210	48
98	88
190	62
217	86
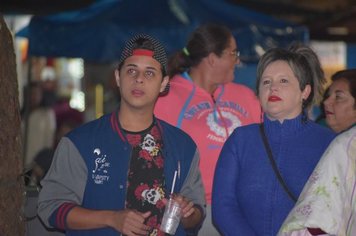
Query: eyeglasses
235	53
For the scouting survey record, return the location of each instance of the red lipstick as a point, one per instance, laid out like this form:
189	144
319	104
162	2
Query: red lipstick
274	98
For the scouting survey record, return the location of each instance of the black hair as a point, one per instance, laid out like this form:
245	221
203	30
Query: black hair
206	39
348	75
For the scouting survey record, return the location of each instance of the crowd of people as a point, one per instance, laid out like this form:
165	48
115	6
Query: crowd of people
46	117
237	162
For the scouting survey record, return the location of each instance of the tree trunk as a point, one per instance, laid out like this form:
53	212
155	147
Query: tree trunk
11	181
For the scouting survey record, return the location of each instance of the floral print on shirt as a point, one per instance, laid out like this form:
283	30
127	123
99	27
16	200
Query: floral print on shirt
146	190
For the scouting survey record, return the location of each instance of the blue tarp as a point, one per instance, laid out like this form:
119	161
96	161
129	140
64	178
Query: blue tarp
97	33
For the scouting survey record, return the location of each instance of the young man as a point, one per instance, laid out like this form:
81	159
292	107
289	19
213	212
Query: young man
112	176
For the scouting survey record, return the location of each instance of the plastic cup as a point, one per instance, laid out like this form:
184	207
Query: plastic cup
171	217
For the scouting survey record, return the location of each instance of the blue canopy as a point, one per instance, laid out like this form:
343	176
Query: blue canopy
98	32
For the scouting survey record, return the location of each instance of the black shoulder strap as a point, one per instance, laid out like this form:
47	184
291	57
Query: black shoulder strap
273	163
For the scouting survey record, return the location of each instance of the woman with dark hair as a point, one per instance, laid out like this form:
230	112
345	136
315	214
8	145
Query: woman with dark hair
263	168
204	102
340	103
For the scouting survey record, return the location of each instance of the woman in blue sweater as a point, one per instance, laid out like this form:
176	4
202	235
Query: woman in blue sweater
248	197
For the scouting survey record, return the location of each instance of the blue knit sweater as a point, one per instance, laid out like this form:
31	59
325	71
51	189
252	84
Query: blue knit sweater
247	197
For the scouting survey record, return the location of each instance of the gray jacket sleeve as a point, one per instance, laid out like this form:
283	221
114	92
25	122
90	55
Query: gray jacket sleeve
65	181
193	188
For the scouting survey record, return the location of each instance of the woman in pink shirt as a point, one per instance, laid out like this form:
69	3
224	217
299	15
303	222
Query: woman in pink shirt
204	102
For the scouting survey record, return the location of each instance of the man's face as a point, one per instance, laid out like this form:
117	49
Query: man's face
140	82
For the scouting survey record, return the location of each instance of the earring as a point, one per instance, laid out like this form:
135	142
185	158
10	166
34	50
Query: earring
304	114
261	116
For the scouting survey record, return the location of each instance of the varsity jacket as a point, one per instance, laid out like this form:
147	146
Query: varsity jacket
90	169
248	199
208	118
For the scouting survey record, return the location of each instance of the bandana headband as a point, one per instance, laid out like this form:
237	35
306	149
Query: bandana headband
142	52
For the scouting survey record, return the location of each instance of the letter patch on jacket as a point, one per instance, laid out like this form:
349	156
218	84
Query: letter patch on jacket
101	166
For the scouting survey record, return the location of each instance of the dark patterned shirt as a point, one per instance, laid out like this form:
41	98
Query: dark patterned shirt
145	189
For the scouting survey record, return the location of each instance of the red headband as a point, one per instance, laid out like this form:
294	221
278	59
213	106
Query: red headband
142	52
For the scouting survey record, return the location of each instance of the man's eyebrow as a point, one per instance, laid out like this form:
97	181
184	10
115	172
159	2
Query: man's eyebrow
134	65
151	68
148	67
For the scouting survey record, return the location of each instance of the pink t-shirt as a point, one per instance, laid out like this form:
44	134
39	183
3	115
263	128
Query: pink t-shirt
208	119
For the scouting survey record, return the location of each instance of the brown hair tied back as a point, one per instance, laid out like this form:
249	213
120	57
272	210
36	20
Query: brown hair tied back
206	39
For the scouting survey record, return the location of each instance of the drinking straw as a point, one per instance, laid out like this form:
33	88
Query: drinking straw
174	181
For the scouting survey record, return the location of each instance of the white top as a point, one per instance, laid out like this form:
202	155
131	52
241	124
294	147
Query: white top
41	133
328	200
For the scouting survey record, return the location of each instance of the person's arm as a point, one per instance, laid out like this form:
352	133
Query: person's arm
193	200
63	186
62	194
226	211
128	222
192	215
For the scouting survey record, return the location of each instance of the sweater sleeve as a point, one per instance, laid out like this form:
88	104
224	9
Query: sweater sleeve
226	212
64	185
193	185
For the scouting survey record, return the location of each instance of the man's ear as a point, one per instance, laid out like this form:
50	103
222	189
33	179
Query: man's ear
117	77
164	83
